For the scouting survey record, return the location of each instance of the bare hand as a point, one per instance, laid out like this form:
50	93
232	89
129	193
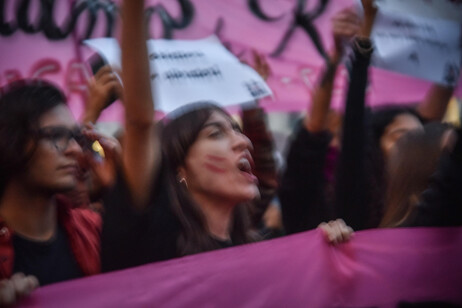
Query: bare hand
336	231
369	9
16	287
345	25
103	170
261	65
102	87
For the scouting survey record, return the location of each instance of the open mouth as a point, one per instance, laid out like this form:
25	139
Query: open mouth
245	167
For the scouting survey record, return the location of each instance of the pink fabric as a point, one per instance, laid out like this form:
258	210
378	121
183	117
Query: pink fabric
295	72
376	268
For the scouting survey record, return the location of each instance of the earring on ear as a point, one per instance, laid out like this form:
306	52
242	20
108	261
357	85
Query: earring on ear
183	181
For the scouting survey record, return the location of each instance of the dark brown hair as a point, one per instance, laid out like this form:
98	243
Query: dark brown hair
178	135
22	103
376	163
410	166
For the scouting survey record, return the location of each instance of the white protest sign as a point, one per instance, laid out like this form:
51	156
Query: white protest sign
186	71
108	48
419	46
439	9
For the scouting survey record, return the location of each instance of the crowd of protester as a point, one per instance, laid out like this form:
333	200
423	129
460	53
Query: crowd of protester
197	180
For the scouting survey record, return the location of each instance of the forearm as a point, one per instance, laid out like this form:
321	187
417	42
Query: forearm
316	119
136	76
141	153
90	116
350	185
434	105
256	129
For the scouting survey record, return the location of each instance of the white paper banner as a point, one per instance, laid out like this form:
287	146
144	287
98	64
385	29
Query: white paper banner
419	46
436	9
186	71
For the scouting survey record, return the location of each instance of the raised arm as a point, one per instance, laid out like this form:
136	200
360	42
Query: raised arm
303	182
350	189
345	25
141	152
434	105
256	129
103	88
351	181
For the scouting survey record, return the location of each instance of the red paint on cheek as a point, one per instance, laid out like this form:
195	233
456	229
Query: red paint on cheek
214	163
215	158
212	167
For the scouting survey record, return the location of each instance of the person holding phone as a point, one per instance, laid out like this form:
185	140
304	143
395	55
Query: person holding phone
103	89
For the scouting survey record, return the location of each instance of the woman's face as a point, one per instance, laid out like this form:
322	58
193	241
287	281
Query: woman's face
401	124
218	164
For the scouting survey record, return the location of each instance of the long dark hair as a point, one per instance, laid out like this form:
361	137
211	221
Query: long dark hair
22	103
410	166
179	132
376	164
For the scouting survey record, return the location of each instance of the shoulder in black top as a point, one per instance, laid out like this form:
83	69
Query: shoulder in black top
50	261
131	237
302	186
441	202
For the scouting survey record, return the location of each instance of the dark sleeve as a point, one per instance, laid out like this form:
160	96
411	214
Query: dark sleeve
302	186
131	237
350	202
441	203
256	129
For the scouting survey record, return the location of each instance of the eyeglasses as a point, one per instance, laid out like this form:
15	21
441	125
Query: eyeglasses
61	136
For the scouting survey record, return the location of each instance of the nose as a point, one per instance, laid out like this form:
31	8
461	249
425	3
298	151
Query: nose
73	148
241	142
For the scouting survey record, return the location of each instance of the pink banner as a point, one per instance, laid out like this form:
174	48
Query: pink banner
377	268
33	46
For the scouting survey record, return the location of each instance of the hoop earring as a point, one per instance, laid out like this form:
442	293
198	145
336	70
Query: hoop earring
183	181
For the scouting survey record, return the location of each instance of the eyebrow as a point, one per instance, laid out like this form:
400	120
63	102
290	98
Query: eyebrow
234	125
399	130
48	127
213	124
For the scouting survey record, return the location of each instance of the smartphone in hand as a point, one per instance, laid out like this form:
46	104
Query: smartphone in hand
96	62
